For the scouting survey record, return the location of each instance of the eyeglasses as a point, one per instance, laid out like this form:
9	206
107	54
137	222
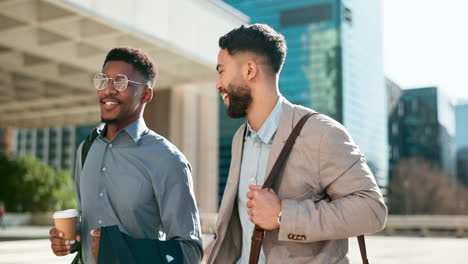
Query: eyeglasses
120	81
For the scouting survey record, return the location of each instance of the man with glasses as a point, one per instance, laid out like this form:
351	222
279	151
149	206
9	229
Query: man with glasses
132	177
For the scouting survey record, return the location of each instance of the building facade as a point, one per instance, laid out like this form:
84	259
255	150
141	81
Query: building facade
49	51
427	128
395	112
461	117
334	65
461	141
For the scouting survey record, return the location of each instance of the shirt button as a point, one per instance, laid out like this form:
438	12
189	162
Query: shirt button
256	145
101	195
110	145
104	169
252	180
100	222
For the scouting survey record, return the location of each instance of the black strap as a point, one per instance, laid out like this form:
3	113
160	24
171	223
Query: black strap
87	144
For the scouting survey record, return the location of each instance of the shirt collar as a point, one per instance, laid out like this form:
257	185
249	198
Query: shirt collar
135	130
268	129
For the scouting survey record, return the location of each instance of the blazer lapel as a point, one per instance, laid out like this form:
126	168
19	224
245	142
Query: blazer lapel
232	185
282	133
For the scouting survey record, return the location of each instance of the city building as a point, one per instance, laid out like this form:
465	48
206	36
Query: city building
49	51
54	146
334	65
462	166
427	128
461	141
461	117
395	112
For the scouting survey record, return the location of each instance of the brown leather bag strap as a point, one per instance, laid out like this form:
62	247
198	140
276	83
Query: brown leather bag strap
362	248
259	233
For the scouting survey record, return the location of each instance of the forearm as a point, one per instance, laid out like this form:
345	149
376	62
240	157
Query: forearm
352	215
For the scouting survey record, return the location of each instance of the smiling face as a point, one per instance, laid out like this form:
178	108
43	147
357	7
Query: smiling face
122	107
232	87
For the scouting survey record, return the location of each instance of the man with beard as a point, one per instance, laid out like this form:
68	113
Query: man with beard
325	191
132	177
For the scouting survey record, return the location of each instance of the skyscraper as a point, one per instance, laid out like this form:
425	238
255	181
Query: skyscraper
334	65
428	128
461	117
461	141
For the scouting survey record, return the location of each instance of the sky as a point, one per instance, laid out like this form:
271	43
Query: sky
425	43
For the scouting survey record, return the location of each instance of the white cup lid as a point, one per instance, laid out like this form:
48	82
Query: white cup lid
66	213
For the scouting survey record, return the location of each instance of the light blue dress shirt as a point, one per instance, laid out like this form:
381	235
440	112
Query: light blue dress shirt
257	146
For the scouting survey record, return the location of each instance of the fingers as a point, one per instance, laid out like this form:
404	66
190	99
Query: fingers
55	233
95	232
59	246
254	187
78	237
250	204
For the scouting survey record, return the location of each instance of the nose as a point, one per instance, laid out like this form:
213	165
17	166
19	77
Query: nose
219	85
110	88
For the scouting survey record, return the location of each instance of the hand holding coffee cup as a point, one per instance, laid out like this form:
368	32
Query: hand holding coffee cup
64	235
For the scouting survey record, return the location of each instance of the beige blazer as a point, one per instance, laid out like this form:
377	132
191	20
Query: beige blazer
314	227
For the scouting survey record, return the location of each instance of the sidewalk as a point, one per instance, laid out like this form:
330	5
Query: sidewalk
29	232
22	232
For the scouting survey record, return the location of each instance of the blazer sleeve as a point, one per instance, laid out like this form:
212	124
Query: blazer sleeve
356	205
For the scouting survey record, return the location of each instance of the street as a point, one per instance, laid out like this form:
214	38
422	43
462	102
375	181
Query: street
381	250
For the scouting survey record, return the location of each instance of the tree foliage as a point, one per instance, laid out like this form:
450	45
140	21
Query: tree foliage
27	185
417	188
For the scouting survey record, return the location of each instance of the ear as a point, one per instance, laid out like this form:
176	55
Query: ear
250	70
147	95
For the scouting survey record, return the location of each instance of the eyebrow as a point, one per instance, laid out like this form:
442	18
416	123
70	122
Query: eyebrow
218	66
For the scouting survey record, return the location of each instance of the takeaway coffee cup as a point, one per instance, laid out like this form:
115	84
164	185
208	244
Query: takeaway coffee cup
65	222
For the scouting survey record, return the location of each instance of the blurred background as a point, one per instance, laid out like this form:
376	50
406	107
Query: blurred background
391	71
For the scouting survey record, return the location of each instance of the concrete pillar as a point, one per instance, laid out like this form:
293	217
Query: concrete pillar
157	112
194	130
8	140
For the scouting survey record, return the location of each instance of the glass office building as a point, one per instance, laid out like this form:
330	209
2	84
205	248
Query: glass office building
428	128
334	65
461	117
461	141
54	146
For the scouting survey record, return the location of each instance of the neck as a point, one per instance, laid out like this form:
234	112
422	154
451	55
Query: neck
264	100
114	128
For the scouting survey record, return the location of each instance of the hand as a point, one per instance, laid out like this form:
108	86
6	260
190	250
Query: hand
96	234
60	246
264	207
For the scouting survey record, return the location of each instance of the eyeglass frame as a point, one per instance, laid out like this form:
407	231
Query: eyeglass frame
126	77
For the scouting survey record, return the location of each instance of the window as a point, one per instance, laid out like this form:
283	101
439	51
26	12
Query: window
305	15
348	15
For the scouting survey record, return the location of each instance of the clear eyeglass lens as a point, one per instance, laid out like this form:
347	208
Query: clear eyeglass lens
120	82
100	81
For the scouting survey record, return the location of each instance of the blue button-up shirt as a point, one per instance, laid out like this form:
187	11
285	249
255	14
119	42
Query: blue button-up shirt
142	183
255	154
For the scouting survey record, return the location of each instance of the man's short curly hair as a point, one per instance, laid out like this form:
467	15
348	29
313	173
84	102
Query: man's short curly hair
259	39
136	57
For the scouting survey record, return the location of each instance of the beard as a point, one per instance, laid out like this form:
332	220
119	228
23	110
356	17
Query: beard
108	121
240	99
